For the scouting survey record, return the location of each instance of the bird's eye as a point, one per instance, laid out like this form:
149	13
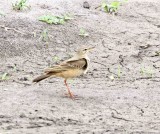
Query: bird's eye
85	49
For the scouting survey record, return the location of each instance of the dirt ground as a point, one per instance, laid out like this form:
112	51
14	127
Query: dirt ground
120	94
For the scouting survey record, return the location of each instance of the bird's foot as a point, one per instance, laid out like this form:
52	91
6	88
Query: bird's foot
70	95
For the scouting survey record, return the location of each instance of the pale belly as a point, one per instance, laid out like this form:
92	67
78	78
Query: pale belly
70	73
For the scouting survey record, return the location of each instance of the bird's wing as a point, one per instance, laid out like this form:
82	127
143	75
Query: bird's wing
73	64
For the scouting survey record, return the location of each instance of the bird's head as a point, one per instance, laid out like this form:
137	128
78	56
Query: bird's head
84	51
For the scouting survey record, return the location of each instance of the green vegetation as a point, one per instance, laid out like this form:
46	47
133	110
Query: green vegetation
67	17
71	80
44	35
111	7
4	76
20	5
2	13
15	68
50	19
119	72
55	58
83	33
147	72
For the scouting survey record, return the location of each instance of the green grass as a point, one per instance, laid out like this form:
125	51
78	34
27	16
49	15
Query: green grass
20	5
56	58
83	33
111	7
2	13
44	35
119	72
4	76
15	68
50	19
146	72
116	75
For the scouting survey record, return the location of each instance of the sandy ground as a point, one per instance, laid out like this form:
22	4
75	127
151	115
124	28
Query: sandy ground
126	47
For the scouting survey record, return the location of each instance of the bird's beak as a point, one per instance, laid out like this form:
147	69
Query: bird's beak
91	48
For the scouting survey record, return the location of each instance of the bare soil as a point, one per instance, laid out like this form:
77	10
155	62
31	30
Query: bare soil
127	46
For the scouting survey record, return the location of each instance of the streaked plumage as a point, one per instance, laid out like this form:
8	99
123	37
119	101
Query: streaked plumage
71	68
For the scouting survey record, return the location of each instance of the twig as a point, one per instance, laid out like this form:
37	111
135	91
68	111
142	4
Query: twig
111	72
121	60
97	7
120	118
100	63
141	78
142	111
8	28
115	110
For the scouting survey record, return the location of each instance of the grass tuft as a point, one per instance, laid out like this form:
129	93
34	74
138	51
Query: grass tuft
83	33
111	7
20	5
146	72
50	19
4	76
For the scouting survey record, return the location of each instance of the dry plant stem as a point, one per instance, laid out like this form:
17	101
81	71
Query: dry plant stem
97	7
18	31
8	28
119	118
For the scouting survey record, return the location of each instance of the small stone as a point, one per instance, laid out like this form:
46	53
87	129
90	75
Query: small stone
59	42
9	127
65	42
23	79
5	89
31	72
158	26
69	119
86	5
22	115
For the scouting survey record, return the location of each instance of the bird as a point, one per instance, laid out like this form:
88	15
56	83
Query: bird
71	68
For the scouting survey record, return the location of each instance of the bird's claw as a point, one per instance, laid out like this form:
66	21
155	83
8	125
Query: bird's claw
70	95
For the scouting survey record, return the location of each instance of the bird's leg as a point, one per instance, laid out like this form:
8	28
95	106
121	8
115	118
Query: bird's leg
70	93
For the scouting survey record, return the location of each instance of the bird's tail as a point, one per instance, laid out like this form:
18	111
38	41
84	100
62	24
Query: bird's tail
42	77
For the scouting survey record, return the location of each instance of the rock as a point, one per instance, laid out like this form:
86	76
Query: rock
86	5
22	115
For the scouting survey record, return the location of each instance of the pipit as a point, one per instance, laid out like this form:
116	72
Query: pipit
73	67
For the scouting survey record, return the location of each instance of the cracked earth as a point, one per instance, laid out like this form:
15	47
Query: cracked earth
119	94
